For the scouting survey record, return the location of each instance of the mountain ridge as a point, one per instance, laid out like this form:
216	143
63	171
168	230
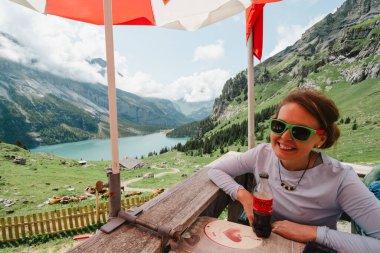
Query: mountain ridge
41	108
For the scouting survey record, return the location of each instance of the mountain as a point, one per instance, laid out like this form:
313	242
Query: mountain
339	55
194	110
37	107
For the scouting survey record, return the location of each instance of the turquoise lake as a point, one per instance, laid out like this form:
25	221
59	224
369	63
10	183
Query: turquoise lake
98	150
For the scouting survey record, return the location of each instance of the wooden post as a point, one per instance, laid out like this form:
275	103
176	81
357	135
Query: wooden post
30	227
41	223
132	202
64	218
47	222
103	212
9	223
123	204
75	216
128	205
60	221
86	215
22	224
138	201
3	233
92	216
251	93
16	226
70	217
97	207
35	223
81	217
53	222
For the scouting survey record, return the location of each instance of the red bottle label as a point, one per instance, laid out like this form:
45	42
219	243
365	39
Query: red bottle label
262	205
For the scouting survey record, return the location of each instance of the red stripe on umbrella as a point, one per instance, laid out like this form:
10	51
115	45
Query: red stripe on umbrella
131	12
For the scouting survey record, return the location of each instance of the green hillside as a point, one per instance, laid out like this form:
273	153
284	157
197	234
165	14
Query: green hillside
339	56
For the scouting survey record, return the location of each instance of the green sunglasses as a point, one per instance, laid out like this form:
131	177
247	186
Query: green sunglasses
299	133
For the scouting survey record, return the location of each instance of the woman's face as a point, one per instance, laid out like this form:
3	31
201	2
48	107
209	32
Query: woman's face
293	153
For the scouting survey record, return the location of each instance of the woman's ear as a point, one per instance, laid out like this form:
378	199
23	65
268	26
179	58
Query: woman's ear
321	141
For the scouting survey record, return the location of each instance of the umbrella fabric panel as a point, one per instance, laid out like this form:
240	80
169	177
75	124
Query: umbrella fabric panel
131	12
195	14
174	14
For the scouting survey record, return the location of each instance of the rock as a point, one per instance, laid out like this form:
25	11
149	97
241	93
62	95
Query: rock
9	211
354	75
19	160
9	202
373	70
148	175
71	189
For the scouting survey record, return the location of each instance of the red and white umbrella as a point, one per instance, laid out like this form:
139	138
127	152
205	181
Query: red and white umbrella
174	14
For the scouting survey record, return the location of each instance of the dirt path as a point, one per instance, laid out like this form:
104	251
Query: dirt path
133	180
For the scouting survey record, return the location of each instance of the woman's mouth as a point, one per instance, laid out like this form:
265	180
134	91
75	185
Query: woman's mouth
285	147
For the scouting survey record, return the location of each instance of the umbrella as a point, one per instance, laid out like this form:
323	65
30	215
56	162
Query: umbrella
174	14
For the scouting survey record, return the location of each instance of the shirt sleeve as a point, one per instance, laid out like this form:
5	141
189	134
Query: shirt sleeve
364	208
223	170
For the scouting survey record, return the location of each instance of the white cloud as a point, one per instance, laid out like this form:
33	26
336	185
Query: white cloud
196	87
56	44
288	35
209	52
64	48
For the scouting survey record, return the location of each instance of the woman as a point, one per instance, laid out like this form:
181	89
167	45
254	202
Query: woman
310	189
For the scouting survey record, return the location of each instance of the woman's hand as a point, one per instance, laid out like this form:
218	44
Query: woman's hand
294	231
246	199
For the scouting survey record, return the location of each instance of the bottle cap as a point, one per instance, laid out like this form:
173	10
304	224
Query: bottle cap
264	175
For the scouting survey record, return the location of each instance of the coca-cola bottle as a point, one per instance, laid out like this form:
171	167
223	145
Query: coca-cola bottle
262	207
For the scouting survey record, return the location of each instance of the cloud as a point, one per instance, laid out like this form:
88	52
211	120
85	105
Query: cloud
65	48
210	52
197	87
288	35
55	44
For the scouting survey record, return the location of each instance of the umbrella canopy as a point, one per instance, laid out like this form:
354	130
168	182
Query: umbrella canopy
174	14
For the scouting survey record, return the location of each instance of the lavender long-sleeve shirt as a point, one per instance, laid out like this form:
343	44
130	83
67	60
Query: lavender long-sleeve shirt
324	192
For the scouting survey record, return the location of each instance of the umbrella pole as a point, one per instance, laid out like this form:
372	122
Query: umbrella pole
114	178
251	93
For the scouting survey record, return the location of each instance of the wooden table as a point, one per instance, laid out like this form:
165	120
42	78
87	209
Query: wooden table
209	235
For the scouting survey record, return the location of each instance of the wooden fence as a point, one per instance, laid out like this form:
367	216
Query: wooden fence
58	221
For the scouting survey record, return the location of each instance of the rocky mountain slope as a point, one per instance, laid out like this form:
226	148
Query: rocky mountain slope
37	107
345	43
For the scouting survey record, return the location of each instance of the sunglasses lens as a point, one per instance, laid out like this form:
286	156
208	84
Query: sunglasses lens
277	127
301	133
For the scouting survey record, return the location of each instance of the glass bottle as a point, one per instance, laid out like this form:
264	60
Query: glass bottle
262	207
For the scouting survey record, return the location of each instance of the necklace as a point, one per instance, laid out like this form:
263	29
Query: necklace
287	186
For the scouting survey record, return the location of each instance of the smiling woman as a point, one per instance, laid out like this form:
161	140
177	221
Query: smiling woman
310	189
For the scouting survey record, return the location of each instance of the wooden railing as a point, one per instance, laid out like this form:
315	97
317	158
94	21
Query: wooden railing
59	221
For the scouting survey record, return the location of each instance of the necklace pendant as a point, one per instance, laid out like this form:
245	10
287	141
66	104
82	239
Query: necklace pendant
287	187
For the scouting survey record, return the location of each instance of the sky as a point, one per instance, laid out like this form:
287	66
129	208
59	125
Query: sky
154	61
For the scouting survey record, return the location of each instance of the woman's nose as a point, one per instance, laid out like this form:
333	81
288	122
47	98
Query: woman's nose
286	135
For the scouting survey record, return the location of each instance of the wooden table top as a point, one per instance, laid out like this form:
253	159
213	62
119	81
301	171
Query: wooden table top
210	235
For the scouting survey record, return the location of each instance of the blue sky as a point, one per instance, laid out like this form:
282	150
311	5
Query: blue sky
155	61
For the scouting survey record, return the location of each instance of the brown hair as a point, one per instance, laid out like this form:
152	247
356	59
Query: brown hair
321	107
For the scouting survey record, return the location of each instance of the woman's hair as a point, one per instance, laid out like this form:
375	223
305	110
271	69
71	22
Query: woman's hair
321	107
